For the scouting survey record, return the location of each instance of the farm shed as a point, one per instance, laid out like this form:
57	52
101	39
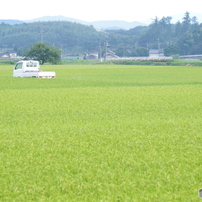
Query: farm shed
156	53
91	55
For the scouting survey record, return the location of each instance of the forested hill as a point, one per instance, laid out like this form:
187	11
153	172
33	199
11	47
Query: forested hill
183	37
66	35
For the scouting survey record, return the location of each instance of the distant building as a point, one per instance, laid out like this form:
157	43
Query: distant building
8	55
111	55
4	56
12	54
156	53
91	55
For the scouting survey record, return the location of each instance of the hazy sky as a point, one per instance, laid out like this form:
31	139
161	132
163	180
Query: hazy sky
93	10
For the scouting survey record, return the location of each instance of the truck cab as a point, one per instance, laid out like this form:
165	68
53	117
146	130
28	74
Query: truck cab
26	69
30	68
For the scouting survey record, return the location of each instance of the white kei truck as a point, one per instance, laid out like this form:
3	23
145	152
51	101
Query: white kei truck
31	68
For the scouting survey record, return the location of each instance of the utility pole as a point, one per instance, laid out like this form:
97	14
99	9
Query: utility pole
158	45
100	52
61	50
106	45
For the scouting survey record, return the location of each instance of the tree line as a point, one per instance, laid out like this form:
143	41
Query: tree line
71	37
183	37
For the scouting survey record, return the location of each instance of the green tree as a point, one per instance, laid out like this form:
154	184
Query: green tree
141	51
44	53
178	29
171	50
186	23
122	52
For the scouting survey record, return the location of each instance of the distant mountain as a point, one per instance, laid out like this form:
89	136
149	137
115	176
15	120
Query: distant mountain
101	25
56	18
117	24
11	22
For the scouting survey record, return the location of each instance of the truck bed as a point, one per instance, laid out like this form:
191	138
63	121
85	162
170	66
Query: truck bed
46	74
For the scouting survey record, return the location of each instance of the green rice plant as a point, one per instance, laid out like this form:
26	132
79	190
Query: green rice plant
101	133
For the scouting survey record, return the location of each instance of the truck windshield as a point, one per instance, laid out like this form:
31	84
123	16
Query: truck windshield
31	64
18	66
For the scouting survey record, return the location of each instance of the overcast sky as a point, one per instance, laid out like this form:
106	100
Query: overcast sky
93	10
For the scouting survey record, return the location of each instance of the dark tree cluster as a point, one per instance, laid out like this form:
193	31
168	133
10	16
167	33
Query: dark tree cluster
183	37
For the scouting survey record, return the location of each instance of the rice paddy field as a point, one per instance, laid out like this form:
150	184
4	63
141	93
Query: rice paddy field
102	133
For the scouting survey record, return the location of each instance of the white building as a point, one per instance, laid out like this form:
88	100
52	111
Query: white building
91	55
111	55
156	53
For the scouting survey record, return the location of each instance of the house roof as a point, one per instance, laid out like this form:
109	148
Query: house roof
4	55
156	51
111	54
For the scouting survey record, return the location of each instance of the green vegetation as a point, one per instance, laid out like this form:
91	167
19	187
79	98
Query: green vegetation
70	37
183	38
101	133
151	62
43	53
7	61
156	62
